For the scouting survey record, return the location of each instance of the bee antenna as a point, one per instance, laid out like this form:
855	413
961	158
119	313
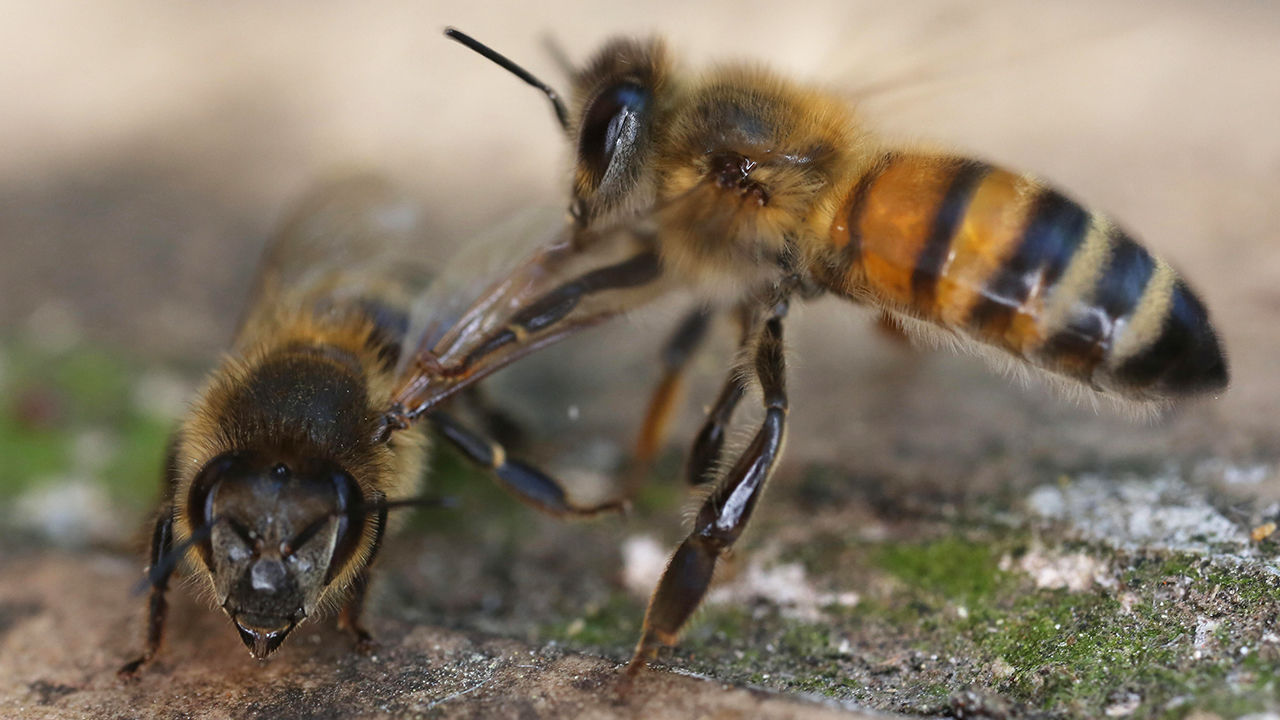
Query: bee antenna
562	114
164	566
434	501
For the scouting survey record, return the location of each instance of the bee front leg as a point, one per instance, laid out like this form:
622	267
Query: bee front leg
529	484
352	610
157	605
726	512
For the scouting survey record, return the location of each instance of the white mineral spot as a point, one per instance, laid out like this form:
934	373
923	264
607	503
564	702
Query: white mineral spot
1138	513
643	560
785	585
1076	572
1125	706
1231	473
1204	629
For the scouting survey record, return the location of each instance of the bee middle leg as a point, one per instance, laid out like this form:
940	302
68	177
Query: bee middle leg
676	355
157	605
726	511
529	484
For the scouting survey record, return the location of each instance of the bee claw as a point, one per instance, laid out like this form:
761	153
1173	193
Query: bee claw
129	671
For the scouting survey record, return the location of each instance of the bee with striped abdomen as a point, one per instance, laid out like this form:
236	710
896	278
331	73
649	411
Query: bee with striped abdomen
757	191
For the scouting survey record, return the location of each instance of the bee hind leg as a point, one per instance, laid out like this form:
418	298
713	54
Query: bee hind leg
725	512
529	484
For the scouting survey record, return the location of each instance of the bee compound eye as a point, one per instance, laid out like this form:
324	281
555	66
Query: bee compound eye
203	492
611	124
351	518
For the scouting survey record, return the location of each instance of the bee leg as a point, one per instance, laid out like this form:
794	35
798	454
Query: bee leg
676	355
349	619
726	511
529	484
709	442
157	606
704	456
496	421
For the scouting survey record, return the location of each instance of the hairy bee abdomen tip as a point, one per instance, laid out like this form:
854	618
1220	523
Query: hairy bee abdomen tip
1184	357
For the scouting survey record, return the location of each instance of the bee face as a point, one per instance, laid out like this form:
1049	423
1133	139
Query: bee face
278	530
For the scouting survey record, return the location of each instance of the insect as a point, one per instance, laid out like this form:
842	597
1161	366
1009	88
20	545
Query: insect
760	192
279	480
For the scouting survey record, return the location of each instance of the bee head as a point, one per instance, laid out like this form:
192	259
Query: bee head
276	533
613	127
611	124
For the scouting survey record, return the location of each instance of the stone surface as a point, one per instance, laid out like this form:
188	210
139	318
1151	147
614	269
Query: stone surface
938	541
67	621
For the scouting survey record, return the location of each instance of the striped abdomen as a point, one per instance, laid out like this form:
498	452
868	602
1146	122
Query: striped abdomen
1012	263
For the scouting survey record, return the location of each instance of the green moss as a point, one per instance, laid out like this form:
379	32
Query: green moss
952	568
609	627
51	400
30	454
1241	588
1079	649
1052	651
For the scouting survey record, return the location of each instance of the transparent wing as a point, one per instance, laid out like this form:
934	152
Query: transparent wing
355	240
480	274
531	282
360	244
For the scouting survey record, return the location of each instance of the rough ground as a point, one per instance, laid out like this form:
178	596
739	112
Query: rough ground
939	541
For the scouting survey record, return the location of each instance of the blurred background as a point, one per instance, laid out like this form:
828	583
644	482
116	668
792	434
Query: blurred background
149	147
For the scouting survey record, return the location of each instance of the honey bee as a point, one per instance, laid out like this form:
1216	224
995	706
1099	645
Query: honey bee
758	192
279	480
